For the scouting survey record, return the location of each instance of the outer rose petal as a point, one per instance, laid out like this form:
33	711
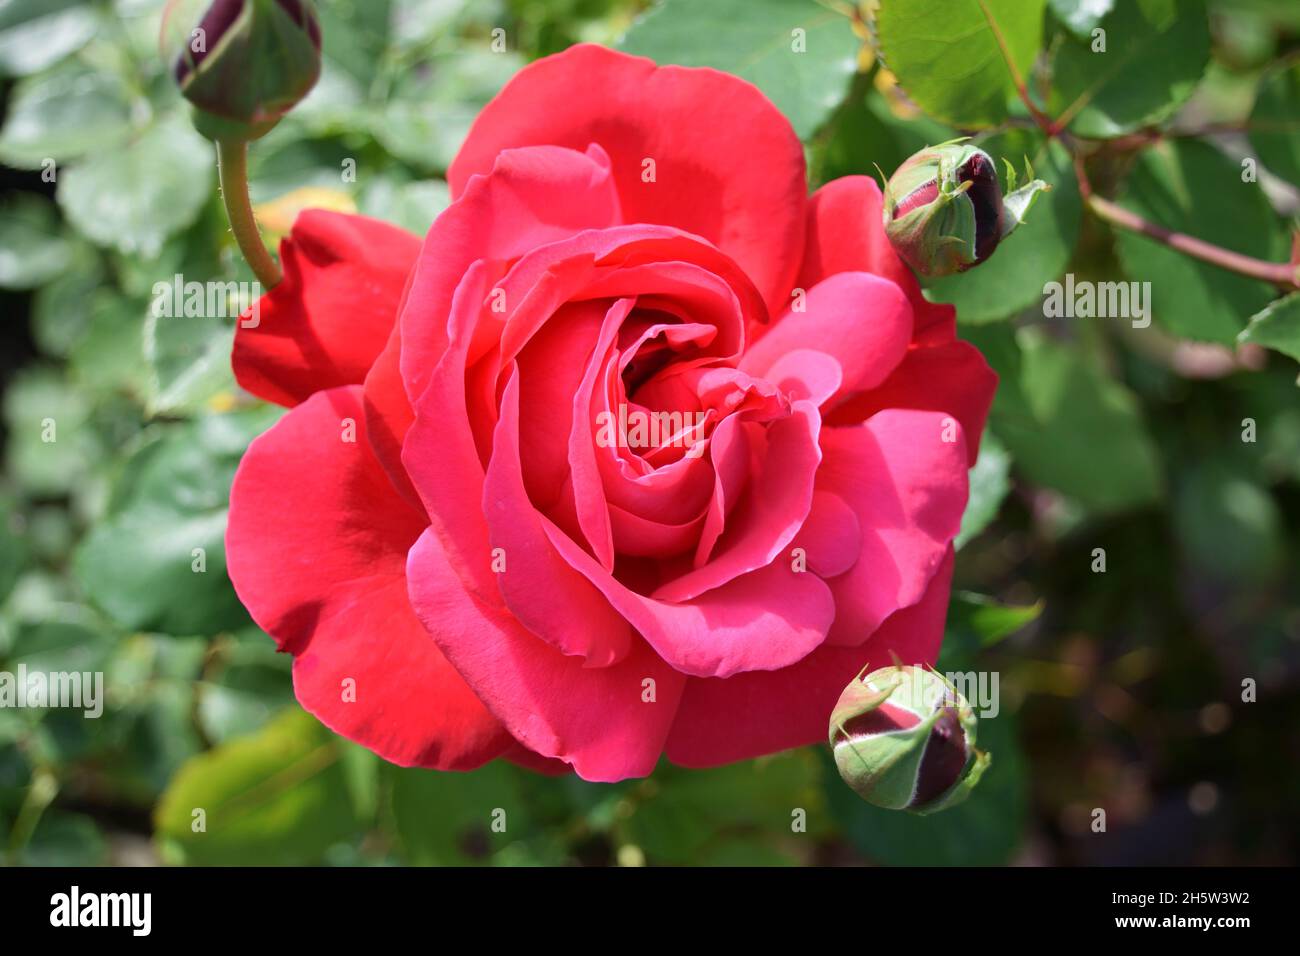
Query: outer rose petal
908	488
389	414
748	715
316	546
938	373
323	325
845	234
592	718
951	378
694	124
526	198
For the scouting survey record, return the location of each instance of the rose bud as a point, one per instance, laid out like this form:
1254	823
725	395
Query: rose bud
244	63
904	739
944	210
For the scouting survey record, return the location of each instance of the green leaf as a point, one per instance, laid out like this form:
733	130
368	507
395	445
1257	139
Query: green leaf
51	445
62	115
1081	16
805	74
1190	187
139	563
990	480
282	162
1036	253
948	60
61	307
248	684
188	361
1069	425
429	112
35	34
109	354
681	816
977	621
865	133
131	199
279	797
1276	327
412	205
33	248
13	548
984	830
150	681
1228	525
1155	53
51	646
1275	122
447	819
354	34
65	840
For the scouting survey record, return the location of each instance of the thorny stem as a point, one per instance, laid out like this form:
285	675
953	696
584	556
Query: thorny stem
232	162
1281	274
1284	275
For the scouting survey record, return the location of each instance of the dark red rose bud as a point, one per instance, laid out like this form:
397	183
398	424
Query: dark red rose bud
904	739
243	64
944	210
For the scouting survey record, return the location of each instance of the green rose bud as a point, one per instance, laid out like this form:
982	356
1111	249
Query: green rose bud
944	210
244	63
904	739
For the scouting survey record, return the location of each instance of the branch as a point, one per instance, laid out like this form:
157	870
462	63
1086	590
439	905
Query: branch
1281	274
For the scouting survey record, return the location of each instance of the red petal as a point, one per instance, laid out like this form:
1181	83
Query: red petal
951	378
325	323
316	547
761	712
908	487
727	165
845	234
599	719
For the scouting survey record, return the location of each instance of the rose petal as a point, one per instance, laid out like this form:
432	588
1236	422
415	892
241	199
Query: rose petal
547	596
763	620
389	414
831	537
861	320
330	316
953	378
845	234
768	517
316	544
907	484
693	123
525	198
609	723
748	715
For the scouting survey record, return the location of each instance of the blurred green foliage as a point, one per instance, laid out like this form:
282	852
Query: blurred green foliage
1120	689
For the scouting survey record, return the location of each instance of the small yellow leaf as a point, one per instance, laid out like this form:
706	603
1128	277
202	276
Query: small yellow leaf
276	217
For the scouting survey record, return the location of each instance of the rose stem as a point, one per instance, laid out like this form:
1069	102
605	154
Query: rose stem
232	163
1285	275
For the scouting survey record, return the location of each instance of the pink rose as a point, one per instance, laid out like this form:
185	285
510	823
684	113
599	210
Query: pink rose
651	452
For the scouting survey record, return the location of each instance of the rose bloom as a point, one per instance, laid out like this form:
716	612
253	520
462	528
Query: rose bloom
441	532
